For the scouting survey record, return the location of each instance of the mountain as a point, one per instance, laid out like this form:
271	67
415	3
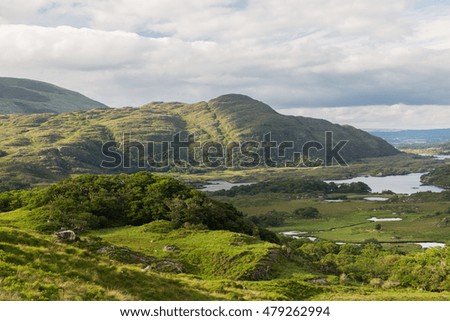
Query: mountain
25	96
418	136
48	147
249	118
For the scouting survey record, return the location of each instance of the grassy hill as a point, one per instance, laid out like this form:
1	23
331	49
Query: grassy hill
236	117
42	148
159	259
24	96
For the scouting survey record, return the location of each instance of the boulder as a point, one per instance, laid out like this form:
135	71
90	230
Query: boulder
66	236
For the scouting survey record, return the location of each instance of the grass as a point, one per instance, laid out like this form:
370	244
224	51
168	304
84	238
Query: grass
35	267
209	254
217	265
157	262
348	221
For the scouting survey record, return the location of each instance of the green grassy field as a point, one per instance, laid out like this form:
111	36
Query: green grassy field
347	221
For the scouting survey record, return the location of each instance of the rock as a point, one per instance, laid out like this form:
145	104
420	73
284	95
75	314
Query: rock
165	266
169	248
106	249
320	282
147	268
376	282
66	236
169	267
125	255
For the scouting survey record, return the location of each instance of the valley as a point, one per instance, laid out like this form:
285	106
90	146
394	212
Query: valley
71	229
336	253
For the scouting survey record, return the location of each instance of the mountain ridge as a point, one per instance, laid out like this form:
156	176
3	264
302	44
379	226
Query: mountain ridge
43	148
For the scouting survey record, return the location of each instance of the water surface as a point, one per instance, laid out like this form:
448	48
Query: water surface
400	184
214	186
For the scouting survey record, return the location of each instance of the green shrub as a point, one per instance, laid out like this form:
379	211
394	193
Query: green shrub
307	212
98	201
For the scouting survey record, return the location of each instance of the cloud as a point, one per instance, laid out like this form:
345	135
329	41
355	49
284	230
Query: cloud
322	53
397	116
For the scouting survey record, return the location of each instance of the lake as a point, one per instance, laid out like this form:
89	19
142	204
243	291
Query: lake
297	235
376	199
400	184
442	157
438	156
388	219
214	186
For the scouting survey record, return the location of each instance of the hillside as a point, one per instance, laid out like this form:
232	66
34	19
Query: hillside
24	96
150	237
48	147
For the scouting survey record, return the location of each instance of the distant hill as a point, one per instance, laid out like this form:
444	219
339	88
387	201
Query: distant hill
24	96
412	137
48	147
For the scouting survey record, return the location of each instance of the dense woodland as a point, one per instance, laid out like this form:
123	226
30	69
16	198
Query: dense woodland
296	186
100	201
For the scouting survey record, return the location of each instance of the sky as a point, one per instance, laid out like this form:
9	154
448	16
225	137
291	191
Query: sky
371	64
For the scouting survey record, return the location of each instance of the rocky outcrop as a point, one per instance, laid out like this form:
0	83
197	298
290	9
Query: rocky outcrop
66	236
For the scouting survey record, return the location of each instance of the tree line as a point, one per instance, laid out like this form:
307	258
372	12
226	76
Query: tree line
296	186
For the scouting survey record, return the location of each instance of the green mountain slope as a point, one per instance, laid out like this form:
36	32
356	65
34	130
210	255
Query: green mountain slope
247	118
24	96
48	147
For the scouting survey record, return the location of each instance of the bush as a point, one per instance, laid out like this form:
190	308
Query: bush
306	212
270	219
97	201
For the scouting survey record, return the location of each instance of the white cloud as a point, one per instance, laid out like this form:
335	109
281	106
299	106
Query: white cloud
68	48
397	116
287	53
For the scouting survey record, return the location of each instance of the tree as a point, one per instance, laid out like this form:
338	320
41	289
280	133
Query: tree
306	212
270	219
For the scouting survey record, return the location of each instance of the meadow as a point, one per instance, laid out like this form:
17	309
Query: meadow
347	221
